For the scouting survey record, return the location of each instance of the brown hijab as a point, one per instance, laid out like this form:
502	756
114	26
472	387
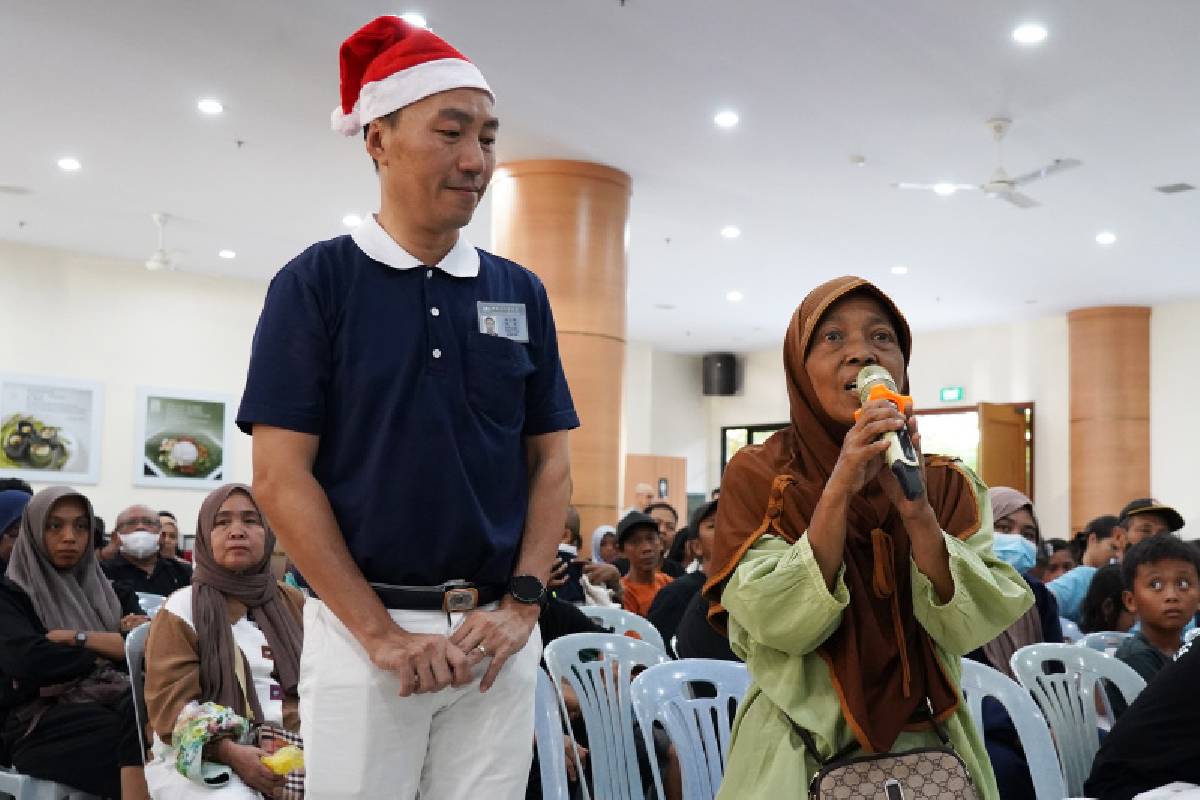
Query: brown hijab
258	590
881	661
79	599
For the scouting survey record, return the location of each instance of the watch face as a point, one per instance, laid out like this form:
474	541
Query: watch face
526	588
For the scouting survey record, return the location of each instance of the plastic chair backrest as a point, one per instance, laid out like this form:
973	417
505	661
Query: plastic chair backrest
979	681
548	732
599	669
135	653
697	723
23	787
1068	699
1070	630
150	603
1105	642
624	622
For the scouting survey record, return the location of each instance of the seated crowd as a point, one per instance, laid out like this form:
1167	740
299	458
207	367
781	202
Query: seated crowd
223	651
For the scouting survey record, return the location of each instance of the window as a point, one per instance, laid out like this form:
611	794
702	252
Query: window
736	437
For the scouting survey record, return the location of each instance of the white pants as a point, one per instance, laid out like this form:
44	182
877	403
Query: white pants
362	740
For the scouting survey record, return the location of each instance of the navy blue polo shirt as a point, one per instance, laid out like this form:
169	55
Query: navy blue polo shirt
421	414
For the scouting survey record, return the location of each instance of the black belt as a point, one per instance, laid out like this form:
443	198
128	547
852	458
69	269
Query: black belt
450	596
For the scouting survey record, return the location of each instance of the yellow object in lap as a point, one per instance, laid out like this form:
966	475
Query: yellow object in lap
284	760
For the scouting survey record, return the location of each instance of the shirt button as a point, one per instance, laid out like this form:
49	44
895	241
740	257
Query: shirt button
429	273
437	353
437	312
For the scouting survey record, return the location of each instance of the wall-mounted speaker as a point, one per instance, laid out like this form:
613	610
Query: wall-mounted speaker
720	374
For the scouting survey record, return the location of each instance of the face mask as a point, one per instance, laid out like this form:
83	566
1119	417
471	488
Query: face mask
139	544
1015	550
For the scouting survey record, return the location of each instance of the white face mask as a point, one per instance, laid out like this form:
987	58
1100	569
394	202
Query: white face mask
139	544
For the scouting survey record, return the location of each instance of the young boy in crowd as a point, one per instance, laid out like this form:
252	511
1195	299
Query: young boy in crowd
640	543
1162	588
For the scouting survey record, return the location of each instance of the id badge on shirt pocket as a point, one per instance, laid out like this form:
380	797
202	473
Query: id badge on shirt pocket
506	320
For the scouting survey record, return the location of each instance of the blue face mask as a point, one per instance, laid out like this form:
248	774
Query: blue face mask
1015	550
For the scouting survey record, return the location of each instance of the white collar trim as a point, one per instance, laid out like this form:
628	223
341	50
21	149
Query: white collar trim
461	262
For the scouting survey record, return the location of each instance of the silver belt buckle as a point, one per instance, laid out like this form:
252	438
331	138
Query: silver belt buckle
459	597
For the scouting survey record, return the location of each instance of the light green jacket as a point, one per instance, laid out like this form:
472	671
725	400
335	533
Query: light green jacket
780	612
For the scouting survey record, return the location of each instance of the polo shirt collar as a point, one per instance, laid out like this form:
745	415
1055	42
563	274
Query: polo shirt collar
461	262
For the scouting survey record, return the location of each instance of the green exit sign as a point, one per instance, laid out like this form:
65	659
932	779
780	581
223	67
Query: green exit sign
952	394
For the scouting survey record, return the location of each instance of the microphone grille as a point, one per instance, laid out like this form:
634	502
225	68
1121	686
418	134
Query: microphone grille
870	375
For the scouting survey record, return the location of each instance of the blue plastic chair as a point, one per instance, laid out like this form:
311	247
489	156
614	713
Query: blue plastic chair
599	669
1068	699
1070	630
548	732
979	681
1105	642
135	658
698	727
23	787
625	622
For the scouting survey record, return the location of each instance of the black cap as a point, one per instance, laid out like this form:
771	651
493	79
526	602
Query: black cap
1148	505
632	521
702	513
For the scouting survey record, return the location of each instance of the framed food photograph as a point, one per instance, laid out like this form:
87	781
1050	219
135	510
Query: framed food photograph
50	429
182	438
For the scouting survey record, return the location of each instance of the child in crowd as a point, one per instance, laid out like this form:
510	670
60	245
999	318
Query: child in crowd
1162	588
641	544
1104	606
1062	560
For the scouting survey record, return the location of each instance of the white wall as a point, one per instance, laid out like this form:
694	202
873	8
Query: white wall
69	315
1174	392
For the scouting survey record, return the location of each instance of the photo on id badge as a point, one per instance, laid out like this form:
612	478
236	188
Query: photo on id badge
506	320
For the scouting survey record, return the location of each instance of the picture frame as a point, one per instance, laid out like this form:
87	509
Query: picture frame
50	429
183	438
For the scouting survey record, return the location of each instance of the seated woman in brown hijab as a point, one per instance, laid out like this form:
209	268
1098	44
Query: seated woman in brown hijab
231	638
65	703
850	604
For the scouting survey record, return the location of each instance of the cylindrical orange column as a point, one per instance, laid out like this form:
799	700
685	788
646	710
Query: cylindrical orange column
1110	409
566	220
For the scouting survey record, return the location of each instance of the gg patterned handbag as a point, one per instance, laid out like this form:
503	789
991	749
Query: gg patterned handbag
926	773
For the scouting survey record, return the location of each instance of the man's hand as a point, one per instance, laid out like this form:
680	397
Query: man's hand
558	576
246	761
131	621
568	746
496	634
598	572
423	662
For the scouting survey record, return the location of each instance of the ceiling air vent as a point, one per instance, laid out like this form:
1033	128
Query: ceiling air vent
1174	188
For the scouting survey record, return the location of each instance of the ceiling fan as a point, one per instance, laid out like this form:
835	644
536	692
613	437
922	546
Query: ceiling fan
162	258
1000	186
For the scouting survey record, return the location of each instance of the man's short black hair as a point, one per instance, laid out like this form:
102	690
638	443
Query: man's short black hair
1102	526
167	514
1161	547
15	484
661	504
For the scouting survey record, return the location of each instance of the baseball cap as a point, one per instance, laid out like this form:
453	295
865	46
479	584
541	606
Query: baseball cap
632	521
702	513
1148	505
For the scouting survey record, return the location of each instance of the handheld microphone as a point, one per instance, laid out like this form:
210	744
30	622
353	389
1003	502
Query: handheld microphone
875	382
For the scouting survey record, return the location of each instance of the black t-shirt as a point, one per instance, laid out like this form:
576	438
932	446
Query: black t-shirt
559	618
668	606
167	576
695	638
1154	742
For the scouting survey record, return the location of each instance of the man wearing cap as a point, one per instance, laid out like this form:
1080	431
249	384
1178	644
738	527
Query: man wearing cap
669	604
1145	517
414	467
641	544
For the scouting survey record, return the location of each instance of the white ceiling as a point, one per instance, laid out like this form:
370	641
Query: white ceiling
908	85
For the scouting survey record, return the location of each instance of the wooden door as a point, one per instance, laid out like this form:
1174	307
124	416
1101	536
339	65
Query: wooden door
652	469
1003	447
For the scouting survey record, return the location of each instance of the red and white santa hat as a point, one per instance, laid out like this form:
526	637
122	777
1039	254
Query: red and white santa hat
388	64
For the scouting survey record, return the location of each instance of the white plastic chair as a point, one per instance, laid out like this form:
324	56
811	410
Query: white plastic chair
1070	630
698	727
150	603
979	681
135	658
1068	699
23	787
586	662
625	622
548	732
1105	642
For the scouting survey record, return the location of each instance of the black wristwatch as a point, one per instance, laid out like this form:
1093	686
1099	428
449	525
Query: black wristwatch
526	589
80	638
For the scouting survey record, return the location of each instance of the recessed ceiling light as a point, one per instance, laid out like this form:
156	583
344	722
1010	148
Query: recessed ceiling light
944	189
735	296
415	18
208	105
1029	33
664	306
900	270
1106	238
227	254
731	231
726	119
69	164
352	220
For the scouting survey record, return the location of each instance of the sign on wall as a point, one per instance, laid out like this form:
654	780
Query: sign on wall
182	438
50	429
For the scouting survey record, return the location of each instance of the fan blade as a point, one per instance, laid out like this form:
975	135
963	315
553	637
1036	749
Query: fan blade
1056	166
933	187
1019	200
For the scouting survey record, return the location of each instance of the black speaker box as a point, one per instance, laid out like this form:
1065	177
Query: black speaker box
720	374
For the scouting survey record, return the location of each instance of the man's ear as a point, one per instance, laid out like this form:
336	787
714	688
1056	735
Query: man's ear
1130	603
1121	536
373	142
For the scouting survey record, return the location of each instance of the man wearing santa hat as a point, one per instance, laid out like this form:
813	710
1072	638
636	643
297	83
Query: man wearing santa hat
410	417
